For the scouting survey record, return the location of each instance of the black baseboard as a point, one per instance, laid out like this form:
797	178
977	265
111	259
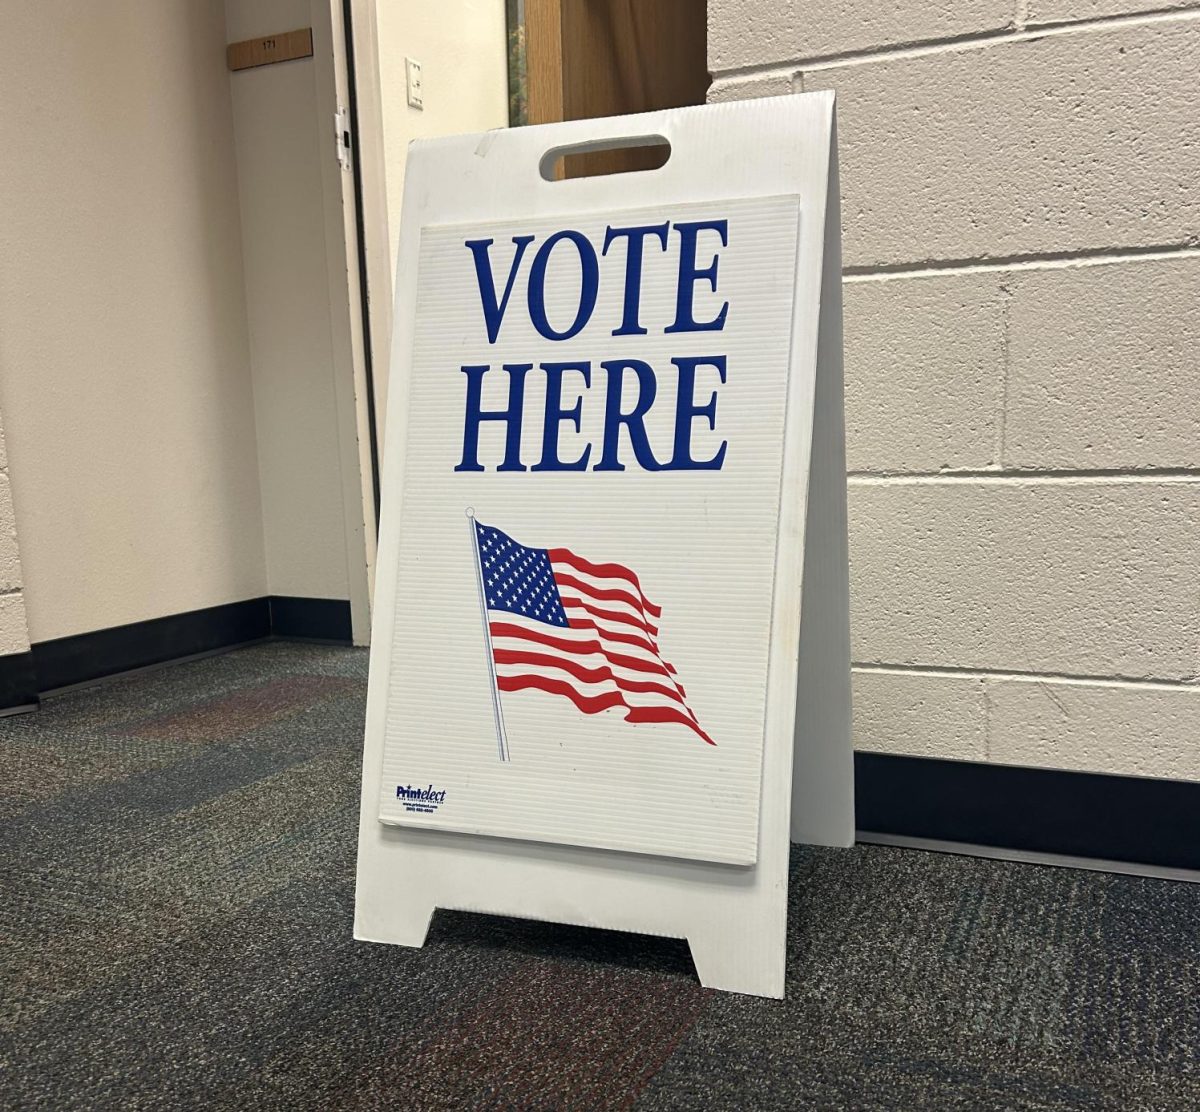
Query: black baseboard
18	681
1077	814
319	619
106	652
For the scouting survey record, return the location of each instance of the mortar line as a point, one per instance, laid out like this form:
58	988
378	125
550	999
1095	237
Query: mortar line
1017	477
949	44
1000	444
987	719
1070	678
1057	260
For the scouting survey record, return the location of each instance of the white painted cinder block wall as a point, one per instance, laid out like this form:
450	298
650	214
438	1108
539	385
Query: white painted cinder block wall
14	633
1021	222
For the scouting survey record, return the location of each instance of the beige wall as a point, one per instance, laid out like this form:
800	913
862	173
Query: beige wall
1021	211
462	46
166	341
463	51
124	362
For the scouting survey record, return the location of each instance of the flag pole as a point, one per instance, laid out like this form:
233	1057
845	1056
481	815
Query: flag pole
501	737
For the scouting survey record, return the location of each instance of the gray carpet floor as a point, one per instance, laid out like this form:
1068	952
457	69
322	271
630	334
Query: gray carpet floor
178	891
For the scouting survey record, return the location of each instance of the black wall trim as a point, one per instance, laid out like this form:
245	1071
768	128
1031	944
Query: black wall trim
1079	814
18	681
321	619
89	656
105	652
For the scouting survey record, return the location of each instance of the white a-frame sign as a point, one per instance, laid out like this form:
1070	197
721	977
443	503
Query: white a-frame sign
610	660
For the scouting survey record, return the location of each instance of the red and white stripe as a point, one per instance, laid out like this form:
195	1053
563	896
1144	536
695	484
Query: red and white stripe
608	657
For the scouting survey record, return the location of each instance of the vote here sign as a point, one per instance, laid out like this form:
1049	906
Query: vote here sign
610	657
592	474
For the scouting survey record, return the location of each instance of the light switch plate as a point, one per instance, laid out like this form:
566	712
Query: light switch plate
412	81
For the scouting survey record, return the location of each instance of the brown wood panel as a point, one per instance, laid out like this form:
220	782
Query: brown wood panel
284	47
544	60
591	58
622	56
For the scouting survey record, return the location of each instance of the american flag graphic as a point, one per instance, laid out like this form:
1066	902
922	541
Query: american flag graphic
584	631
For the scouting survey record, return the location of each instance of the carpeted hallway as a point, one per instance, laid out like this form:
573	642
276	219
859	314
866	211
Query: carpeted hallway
177	914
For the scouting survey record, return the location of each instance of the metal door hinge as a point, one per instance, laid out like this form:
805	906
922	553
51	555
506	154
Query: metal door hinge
341	132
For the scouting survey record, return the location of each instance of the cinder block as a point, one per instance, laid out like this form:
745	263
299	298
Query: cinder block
746	88
14	637
924	373
1103	367
1131	730
920	715
1075	578
741	34
1068	11
10	558
1058	144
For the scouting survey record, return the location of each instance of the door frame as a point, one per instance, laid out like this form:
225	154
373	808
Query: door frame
374	241
345	47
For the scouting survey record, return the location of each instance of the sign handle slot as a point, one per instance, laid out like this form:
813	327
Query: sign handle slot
597	157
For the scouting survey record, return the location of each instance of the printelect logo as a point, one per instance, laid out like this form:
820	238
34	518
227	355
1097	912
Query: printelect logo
407	791
422	800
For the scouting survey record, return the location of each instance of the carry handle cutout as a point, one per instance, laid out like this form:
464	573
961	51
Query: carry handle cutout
598	157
